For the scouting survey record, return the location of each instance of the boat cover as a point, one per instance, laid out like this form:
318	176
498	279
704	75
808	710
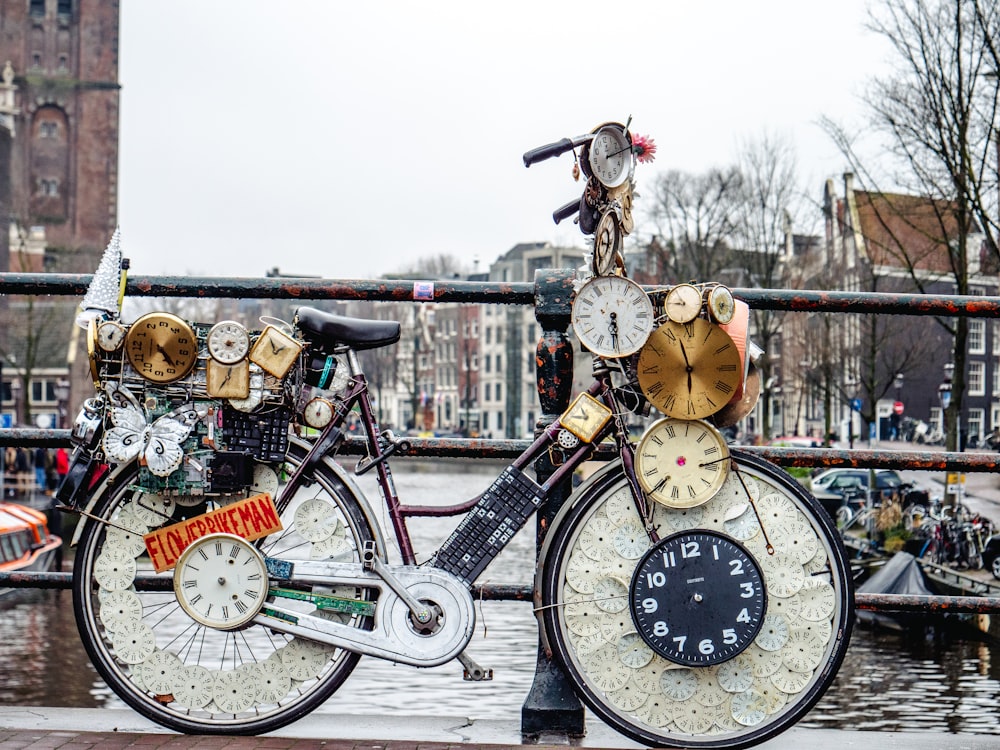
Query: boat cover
901	574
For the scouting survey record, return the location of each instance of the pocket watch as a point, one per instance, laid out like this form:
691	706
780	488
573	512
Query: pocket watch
683	303
275	351
227	380
681	463
110	335
612	316
318	413
698	598
610	155
228	342
607	243
721	304
161	347
689	370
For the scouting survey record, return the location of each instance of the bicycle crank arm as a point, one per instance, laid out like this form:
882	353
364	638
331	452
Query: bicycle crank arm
397	635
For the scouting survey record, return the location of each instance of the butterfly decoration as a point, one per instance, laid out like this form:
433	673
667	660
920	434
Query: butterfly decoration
157	445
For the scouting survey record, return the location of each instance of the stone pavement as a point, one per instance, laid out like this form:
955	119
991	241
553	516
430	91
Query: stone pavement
116	729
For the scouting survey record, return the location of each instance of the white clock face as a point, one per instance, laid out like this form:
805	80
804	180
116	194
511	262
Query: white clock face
610	156
110	335
682	463
221	581
318	413
612	316
228	342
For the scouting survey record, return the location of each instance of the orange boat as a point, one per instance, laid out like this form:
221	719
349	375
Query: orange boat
25	541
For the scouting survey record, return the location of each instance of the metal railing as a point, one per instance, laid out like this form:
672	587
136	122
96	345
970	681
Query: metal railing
551	294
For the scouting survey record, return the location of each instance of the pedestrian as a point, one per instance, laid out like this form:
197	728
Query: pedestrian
22	471
62	464
39	460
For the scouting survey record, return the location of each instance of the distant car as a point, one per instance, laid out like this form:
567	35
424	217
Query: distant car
832	486
991	555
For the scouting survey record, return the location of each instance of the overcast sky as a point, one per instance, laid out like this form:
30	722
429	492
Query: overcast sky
348	140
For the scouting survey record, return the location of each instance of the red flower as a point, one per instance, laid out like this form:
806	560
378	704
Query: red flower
644	148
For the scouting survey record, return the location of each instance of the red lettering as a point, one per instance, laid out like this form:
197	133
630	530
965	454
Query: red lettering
270	516
175	545
245	521
155	553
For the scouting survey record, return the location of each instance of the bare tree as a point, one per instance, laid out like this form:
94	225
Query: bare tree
694	217
936	113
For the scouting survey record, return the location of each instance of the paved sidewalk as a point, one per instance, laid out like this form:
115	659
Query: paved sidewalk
114	729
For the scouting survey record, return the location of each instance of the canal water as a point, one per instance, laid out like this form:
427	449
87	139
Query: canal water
938	681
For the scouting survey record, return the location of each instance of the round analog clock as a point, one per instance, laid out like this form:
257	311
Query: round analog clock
683	303
612	316
161	347
221	581
607	244
721	304
681	463
110	335
318	413
698	598
228	342
610	156
689	370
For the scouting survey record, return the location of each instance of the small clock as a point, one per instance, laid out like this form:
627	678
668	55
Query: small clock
221	581
227	380
698	598
683	303
607	243
689	370
228	342
318	413
110	335
612	316
610	155
161	347
681	463
275	351
721	304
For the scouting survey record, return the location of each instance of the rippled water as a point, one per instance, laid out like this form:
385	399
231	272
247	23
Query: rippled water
889	681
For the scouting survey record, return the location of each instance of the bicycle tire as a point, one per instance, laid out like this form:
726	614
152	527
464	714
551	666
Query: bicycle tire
582	565
187	676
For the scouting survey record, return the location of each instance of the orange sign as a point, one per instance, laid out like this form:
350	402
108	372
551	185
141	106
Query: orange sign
251	519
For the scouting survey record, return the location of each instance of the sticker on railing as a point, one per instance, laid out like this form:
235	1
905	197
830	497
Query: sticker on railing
423	290
251	519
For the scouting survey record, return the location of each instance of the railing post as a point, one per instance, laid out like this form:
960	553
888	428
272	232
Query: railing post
552	704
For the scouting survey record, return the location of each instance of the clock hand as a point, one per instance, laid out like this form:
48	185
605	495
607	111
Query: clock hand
167	357
275	349
613	330
229	375
687	364
659	485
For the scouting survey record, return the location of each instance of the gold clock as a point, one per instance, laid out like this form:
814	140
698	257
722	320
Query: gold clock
681	463
161	347
689	370
275	351
227	381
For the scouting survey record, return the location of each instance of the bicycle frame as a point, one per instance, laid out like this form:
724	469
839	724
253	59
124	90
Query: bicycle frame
382	445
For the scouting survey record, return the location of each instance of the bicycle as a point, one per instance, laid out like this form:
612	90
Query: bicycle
229	575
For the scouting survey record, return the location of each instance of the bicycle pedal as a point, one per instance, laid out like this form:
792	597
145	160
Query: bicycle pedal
481	675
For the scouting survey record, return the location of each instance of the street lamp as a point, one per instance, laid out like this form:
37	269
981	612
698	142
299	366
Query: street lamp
62	389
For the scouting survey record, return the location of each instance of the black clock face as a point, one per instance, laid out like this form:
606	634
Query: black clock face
698	598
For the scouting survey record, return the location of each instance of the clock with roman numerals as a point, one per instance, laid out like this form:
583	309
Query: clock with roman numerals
221	581
612	316
681	463
689	370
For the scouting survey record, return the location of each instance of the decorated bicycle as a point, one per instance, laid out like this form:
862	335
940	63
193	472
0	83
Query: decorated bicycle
230	573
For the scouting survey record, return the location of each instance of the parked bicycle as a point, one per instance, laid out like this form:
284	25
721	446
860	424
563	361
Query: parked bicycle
954	540
230	573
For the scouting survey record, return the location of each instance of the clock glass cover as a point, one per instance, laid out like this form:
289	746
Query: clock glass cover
612	316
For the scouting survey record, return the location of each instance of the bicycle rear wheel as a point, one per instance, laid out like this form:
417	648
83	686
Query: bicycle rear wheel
592	623
186	675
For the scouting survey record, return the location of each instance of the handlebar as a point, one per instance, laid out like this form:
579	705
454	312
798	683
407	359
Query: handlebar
554	149
564	212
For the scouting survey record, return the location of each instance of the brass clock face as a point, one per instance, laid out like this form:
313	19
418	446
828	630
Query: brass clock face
689	370
161	347
721	304
275	351
227	381
681	463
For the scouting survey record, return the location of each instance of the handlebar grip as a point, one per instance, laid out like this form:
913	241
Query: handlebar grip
564	212
554	149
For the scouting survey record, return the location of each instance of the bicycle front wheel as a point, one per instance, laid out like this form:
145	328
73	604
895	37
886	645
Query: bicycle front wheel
187	675
598	556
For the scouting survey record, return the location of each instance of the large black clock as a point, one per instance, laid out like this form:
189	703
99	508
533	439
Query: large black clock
698	598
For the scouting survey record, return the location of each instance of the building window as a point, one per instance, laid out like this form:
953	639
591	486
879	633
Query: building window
48	188
975	423
37	7
499	364
48	129
489	335
977	378
977	336
995	416
996	377
43	392
487	361
499	391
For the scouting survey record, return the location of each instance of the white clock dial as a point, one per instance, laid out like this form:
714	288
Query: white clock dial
610	156
110	335
318	413
681	463
228	342
612	316
221	581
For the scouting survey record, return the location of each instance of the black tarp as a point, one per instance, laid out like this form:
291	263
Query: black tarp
901	574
